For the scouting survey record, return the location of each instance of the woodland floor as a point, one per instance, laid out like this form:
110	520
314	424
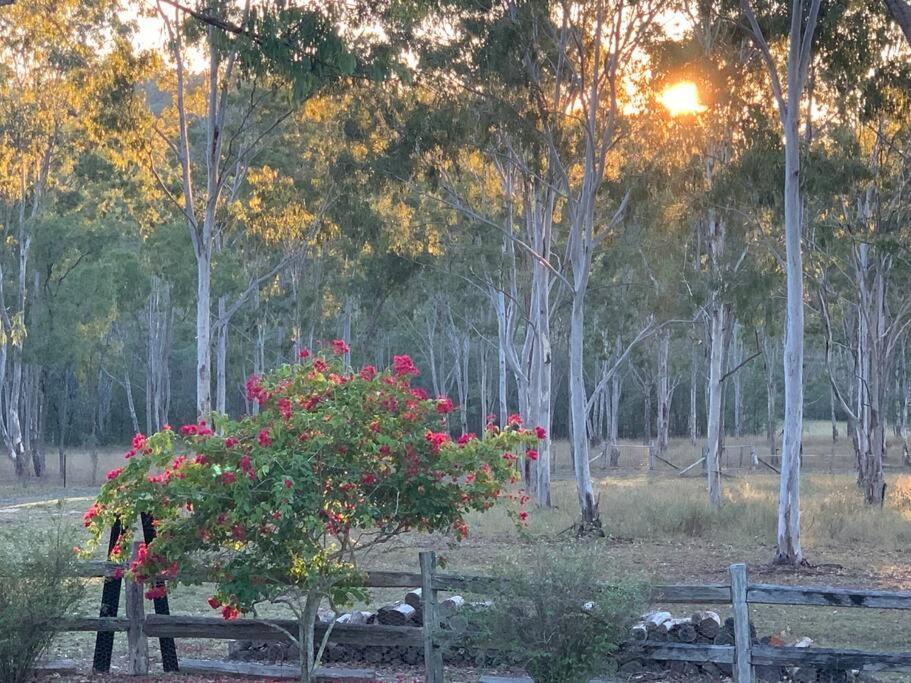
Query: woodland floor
660	530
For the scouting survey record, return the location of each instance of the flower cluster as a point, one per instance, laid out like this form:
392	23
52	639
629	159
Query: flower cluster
289	492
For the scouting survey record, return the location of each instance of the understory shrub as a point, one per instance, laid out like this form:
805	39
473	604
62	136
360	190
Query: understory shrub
555	616
36	591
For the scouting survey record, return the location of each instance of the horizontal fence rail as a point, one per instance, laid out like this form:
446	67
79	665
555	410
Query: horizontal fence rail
743	655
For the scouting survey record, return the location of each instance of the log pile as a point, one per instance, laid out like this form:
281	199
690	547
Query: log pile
407	612
707	628
638	656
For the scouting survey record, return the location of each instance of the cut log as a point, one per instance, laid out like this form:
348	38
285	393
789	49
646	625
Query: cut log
681	631
707	623
656	618
413	598
357	618
639	632
400	614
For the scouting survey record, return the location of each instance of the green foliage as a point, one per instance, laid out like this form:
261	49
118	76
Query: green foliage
36	590
555	615
332	464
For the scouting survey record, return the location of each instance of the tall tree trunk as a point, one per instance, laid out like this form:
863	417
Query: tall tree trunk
694	374
203	332
768	353
788	537
615	390
63	423
578	409
664	392
738	380
718	323
221	358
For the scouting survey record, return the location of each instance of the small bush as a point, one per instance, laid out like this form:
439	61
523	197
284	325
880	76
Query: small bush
36	590
555	617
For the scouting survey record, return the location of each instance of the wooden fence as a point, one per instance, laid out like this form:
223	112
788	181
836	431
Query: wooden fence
743	656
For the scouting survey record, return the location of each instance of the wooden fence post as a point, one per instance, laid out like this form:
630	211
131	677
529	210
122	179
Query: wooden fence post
137	643
433	658
743	641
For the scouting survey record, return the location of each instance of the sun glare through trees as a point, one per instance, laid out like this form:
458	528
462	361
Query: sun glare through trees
681	98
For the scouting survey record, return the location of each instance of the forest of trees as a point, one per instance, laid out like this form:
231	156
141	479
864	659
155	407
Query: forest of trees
517	193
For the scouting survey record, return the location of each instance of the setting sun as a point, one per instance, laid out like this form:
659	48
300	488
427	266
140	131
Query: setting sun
681	98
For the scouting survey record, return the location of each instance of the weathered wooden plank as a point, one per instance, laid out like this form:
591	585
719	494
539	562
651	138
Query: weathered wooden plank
93	624
59	667
743	669
688	652
137	643
337	675
371	579
697	595
829	658
258	629
825	596
433	657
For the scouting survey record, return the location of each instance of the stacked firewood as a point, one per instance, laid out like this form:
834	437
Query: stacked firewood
406	612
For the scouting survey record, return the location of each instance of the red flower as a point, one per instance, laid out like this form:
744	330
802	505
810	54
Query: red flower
156	592
118	573
264	439
515	419
231	442
368	478
288	483
189	430
339	347
540	433
403	366
255	390
436	440
367	373
139	442
444	405
238	532
320	365
213	602
465	438
284	407
228	478
229	612
91	513
114	473
419	394
523	516
245	464
303	353
531	454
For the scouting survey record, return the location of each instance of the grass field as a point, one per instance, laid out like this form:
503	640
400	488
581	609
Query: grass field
659	526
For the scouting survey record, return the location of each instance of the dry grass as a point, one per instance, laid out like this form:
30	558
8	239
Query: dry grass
660	528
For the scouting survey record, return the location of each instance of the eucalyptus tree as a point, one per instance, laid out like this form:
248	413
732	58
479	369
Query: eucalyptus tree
212	131
788	94
59	90
861	201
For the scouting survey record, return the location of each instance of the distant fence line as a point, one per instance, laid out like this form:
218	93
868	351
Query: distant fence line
743	655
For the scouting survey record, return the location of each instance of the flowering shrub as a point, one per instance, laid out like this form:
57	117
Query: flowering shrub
333	463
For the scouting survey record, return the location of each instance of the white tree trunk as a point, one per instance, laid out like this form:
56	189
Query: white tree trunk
664	392
718	323
221	359
788	537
